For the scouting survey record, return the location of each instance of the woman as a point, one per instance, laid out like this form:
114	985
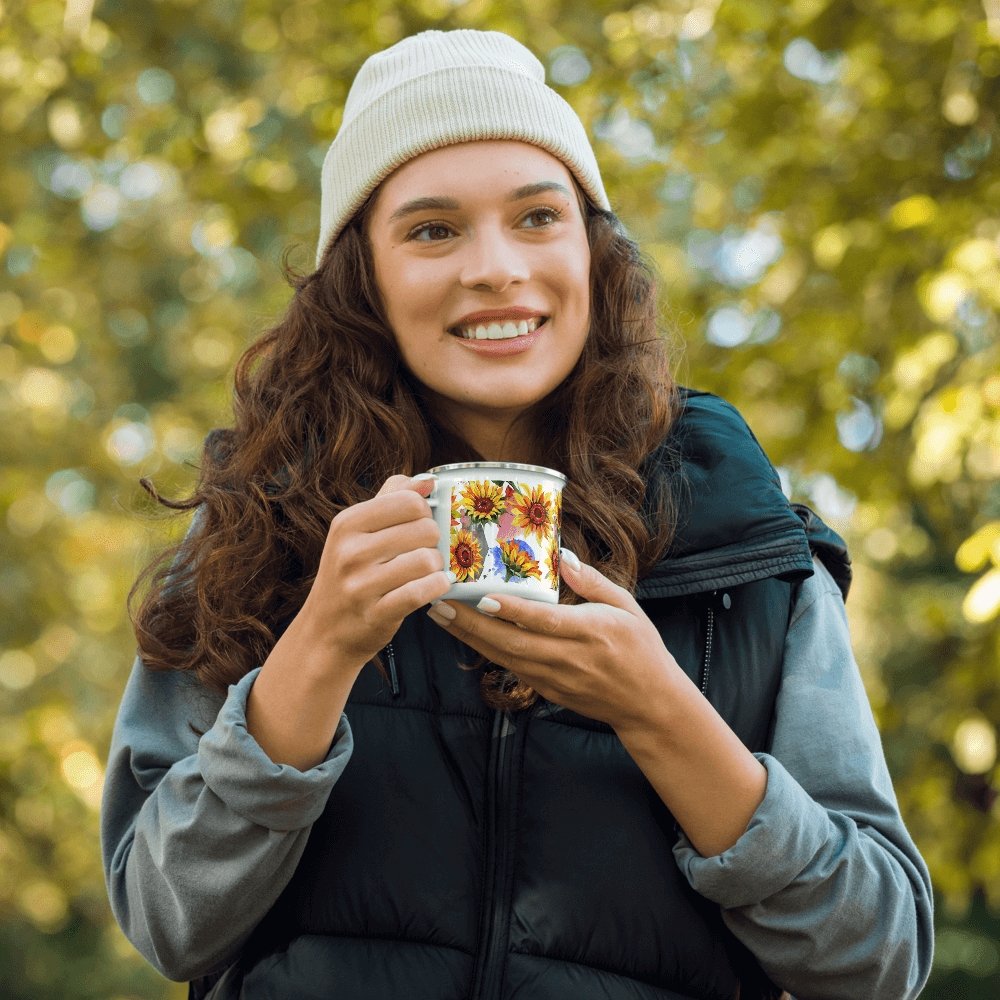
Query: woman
669	786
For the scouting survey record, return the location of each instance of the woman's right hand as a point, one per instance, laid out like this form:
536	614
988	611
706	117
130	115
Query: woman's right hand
380	563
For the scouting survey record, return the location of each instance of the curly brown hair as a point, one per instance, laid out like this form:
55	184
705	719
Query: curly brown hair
325	412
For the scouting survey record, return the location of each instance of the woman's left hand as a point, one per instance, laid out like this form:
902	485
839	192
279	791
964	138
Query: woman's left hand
603	659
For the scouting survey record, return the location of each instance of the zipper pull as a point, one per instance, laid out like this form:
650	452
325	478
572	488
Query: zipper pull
390	655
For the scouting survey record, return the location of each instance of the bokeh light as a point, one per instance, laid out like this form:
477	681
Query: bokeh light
817	193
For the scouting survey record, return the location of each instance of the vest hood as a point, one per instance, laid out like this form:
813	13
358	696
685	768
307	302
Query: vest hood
735	524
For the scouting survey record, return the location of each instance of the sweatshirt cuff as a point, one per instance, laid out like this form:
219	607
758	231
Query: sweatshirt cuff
783	836
275	796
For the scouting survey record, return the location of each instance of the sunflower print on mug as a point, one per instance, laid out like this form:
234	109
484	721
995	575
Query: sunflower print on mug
551	563
519	561
534	511
483	500
505	531
466	556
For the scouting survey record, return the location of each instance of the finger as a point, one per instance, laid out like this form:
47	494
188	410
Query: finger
560	620
591	584
381	592
422	484
413	594
406	567
376	532
387	509
387	543
497	640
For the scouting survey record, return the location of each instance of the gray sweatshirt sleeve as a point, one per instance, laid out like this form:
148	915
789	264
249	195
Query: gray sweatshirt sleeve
200	833
825	886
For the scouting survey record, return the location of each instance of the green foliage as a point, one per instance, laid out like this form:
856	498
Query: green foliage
816	182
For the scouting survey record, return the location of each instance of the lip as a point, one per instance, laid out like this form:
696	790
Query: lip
510	314
503	348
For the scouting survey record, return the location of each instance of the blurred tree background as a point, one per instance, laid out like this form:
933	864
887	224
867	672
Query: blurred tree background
816	181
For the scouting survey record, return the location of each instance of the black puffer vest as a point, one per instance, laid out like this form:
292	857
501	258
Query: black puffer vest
467	854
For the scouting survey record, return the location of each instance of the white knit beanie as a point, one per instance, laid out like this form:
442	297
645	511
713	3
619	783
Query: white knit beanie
436	89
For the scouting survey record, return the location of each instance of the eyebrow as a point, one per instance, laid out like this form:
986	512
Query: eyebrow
424	205
451	205
530	190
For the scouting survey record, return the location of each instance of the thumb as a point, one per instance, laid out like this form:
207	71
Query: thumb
591	584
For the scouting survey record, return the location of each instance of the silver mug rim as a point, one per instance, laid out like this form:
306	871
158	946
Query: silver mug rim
516	466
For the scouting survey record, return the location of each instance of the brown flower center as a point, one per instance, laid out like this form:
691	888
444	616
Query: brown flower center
538	513
464	555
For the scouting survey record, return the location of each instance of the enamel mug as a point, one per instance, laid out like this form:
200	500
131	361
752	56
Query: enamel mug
499	526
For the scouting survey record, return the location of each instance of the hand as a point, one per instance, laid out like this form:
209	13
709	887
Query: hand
380	562
602	659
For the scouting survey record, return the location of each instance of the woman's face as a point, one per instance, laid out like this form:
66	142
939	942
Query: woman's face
482	261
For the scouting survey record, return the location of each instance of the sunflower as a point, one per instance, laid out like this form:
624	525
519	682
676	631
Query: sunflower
552	564
483	500
534	511
518	560
466	556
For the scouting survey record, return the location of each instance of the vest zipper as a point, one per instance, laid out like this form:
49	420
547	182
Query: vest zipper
706	661
725	603
496	895
390	655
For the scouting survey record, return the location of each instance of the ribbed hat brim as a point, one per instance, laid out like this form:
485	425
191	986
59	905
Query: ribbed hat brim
442	108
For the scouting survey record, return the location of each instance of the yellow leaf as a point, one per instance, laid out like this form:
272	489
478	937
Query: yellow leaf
979	548
918	210
982	602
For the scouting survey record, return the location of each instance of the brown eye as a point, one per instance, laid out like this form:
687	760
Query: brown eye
430	232
538	218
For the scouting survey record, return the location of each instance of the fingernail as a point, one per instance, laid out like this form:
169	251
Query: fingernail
569	557
488	606
435	616
426	477
451	576
440	610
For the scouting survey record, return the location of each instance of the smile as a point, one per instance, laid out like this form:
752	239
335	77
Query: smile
499	331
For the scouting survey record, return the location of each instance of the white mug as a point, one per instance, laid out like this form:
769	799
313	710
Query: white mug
500	528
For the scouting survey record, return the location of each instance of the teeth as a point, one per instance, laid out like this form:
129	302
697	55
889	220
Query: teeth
499	331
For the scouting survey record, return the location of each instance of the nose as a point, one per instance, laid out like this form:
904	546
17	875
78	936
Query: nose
493	261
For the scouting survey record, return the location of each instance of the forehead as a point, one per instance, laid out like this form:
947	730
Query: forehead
473	167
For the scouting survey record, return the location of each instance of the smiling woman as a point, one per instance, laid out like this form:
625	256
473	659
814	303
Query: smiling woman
659	788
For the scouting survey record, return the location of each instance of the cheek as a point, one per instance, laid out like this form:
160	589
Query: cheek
577	271
413	301
579	285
